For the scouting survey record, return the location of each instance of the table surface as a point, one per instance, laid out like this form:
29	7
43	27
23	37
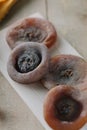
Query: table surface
70	19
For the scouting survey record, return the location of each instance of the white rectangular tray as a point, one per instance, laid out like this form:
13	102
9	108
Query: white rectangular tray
32	94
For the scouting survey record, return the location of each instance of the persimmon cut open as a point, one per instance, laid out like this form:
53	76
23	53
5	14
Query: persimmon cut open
65	108
32	30
28	62
65	70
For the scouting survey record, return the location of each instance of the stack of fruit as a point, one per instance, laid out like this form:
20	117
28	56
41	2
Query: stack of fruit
65	106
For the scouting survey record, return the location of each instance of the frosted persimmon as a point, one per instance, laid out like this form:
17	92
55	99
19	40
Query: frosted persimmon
32	30
65	108
65	70
28	62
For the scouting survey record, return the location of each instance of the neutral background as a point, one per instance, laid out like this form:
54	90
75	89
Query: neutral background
70	19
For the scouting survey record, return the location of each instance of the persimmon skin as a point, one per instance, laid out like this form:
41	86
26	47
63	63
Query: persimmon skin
44	25
49	109
31	76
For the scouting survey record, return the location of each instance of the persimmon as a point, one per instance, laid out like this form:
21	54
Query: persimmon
65	108
65	70
28	62
32	30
